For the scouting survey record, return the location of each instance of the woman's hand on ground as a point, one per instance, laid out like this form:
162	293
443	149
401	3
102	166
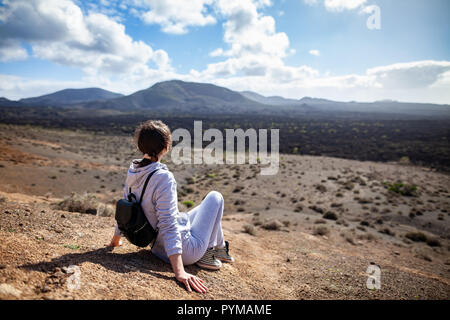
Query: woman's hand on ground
115	242
191	281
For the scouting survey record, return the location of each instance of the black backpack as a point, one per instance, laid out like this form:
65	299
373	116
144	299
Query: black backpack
132	221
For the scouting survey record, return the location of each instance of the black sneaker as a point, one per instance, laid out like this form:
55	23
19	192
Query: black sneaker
223	254
209	261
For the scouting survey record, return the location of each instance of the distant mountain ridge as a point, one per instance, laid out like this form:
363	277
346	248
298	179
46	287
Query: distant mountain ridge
9	103
383	106
180	97
274	100
71	96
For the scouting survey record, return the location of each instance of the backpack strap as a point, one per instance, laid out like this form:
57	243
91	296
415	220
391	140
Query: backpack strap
145	185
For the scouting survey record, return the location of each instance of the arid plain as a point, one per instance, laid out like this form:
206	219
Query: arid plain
309	232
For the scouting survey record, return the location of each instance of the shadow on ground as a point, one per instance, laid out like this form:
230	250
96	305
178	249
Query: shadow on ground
141	261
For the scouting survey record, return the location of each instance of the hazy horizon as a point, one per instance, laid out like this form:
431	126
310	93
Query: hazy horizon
298	98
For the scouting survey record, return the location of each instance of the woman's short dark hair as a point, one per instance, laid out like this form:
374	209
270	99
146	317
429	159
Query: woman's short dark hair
152	136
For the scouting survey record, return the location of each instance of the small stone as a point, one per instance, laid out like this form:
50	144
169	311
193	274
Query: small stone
65	269
59	273
45	289
8	290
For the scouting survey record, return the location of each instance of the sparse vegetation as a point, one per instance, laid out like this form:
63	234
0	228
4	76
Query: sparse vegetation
330	215
321	231
250	229
316	209
348	237
416	236
188	203
83	203
190	180
272	225
105	210
421	237
264	199
72	246
402	188
387	231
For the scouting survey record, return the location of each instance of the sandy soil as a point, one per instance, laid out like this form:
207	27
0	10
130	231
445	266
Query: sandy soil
308	256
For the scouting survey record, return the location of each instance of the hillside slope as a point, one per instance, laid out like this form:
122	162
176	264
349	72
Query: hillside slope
184	97
335	218
70	96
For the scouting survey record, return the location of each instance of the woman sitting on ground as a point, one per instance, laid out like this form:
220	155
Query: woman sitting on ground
183	238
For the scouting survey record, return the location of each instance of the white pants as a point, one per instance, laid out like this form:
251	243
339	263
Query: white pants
206	228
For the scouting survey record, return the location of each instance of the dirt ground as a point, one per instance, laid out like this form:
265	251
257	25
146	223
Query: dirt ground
309	232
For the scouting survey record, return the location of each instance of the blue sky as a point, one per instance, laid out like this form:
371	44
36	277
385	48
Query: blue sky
293	48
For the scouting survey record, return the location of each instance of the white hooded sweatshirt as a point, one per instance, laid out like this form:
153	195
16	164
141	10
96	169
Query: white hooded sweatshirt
160	205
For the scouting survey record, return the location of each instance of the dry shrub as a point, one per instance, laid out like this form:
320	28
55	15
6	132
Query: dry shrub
416	236
421	237
367	236
85	203
250	229
272	225
321	231
330	215
256	221
348	237
105	210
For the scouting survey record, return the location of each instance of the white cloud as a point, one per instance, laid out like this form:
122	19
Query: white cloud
249	32
338	5
216	53
58	30
429	80
310	2
175	16
12	51
256	51
15	88
38	21
255	47
412	75
314	52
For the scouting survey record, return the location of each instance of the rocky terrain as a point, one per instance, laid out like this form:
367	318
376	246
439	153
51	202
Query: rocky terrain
309	232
